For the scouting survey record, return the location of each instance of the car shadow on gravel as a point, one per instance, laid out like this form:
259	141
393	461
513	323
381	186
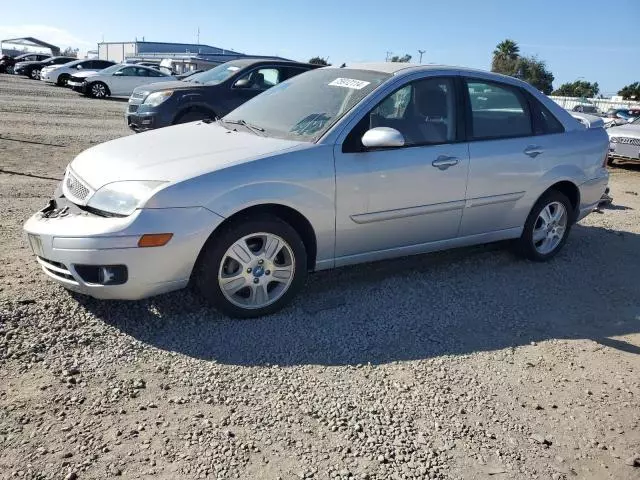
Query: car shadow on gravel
451	303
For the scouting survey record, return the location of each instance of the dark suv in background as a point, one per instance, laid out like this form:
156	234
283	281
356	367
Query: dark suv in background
32	69
207	95
7	62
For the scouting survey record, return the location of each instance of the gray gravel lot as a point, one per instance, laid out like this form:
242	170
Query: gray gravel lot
469	364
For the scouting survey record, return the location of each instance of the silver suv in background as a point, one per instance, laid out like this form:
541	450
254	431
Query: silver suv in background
333	167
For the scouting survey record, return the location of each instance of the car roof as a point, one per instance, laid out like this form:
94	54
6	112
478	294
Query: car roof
245	62
396	68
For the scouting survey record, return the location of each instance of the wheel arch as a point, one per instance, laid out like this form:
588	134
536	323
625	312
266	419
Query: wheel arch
570	190
291	216
193	108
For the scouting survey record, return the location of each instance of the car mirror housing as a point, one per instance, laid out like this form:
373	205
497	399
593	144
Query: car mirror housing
242	83
382	137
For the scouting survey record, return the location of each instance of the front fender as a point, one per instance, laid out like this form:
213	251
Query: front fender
317	207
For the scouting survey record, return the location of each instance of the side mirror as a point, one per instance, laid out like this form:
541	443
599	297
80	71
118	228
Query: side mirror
242	83
382	137
118	73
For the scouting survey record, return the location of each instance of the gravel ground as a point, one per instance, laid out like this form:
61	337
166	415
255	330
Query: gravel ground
469	364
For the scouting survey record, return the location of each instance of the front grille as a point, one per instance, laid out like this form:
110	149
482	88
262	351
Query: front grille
626	141
57	270
75	188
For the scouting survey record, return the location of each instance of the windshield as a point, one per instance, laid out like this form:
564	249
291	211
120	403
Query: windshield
217	74
304	107
636	121
111	69
194	77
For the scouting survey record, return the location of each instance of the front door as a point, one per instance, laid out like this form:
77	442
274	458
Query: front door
404	196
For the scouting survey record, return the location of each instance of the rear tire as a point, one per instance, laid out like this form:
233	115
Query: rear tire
34	74
547	227
261	263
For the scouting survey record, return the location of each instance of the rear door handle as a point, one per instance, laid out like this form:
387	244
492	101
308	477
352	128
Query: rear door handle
443	162
533	151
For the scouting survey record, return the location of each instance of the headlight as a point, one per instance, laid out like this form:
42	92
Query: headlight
122	198
157	98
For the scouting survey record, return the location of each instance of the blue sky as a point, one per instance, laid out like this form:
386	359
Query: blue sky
588	39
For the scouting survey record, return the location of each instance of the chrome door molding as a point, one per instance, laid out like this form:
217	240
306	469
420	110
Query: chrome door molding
407	212
493	199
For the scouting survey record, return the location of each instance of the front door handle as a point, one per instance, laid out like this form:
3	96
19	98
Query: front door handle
533	151
443	162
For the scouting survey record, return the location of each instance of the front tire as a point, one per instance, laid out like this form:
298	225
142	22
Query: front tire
252	268
34	74
62	80
98	90
547	227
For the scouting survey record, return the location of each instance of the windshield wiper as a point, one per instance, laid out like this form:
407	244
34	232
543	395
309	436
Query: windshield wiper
249	126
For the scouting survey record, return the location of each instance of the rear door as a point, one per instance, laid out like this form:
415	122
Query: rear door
509	153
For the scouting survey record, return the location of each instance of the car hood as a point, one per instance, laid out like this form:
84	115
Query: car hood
170	85
28	64
85	73
173	154
632	131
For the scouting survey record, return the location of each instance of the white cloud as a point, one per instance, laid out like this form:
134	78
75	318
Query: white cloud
56	36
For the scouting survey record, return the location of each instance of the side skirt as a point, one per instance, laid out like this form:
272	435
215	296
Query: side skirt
467	241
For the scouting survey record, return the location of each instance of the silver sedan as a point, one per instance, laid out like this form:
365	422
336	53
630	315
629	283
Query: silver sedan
333	167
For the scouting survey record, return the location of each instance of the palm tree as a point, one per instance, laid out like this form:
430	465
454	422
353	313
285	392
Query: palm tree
507	49
505	57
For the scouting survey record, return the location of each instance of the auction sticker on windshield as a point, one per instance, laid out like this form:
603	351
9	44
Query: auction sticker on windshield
349	83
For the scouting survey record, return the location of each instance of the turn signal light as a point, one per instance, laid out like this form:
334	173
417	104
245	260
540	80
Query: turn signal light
154	239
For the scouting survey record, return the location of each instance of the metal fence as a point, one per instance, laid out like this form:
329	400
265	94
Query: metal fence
602	104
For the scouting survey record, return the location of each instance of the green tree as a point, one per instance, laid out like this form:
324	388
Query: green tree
579	88
505	57
534	71
70	52
406	58
631	91
319	61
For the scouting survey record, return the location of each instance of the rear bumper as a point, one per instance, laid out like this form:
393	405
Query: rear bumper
66	245
591	193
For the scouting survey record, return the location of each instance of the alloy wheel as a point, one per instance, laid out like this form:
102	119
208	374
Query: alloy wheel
256	270
98	90
550	227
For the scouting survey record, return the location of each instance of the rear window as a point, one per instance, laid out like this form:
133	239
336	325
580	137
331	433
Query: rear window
498	111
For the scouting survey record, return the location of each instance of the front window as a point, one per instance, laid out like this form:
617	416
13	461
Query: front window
217	74
306	106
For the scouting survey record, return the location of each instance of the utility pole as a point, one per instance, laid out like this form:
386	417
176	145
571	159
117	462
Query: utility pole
387	58
421	52
198	36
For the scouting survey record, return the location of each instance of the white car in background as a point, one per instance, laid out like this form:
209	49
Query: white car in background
120	80
60	74
624	142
